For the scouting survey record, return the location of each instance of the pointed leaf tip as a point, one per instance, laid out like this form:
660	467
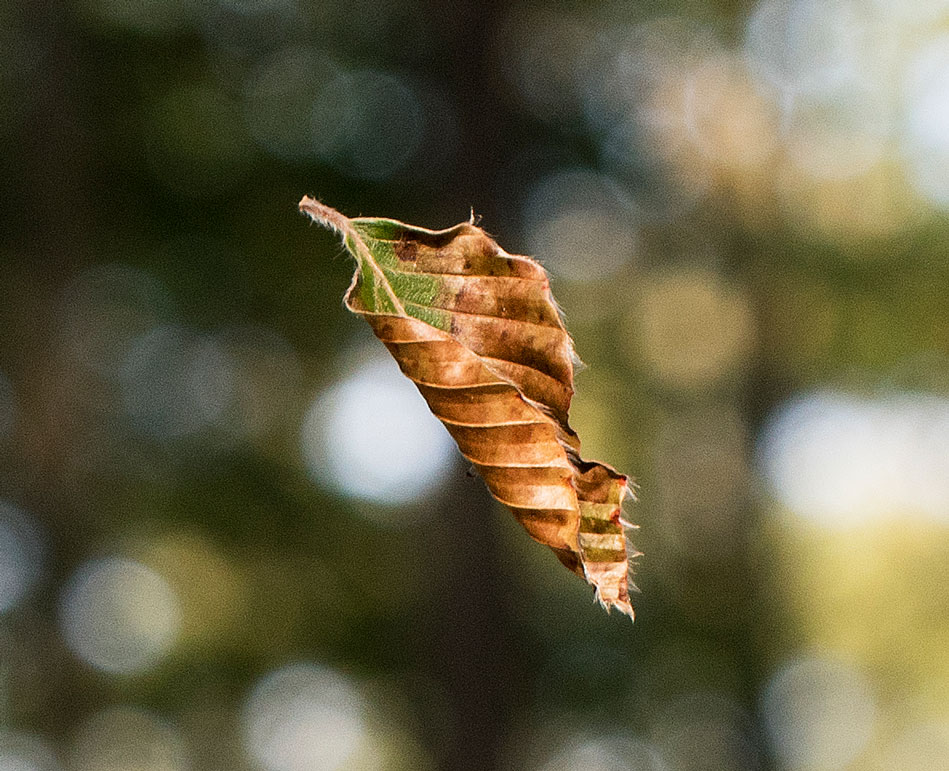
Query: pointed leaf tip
478	332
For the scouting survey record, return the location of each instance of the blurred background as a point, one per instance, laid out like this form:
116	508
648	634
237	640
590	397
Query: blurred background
233	539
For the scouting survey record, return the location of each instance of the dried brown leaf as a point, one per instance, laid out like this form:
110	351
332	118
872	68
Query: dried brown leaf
478	332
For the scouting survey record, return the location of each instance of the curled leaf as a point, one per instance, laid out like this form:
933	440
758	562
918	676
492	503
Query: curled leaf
478	332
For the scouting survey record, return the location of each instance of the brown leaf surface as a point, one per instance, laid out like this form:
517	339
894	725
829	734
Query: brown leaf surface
478	332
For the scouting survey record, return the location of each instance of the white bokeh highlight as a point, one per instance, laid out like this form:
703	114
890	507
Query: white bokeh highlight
368	123
118	615
926	133
176	382
26	752
842	460
818	714
372	437
605	753
581	224
279	100
303	717
800	46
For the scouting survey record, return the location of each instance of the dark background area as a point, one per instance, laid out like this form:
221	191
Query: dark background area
230	535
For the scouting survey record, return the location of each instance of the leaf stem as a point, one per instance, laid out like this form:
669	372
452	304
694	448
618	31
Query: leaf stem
325	215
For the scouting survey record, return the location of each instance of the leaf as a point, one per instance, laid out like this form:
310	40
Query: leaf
478	332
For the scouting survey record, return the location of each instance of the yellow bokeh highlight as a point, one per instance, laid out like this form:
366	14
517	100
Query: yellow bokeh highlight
878	593
210	588
874	204
693	328
728	118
